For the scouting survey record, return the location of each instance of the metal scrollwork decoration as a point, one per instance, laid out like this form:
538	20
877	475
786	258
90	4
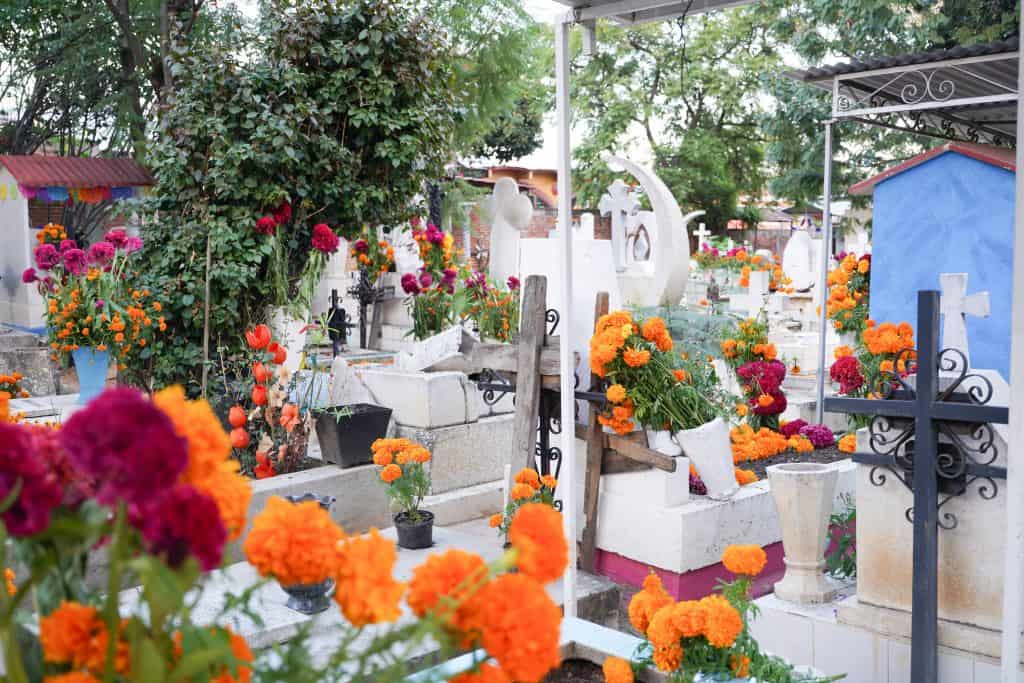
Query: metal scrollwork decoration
552	317
493	386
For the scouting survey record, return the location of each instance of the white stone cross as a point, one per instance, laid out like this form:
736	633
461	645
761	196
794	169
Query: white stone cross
701	233
620	203
956	306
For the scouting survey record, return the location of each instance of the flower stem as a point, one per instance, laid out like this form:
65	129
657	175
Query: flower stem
111	614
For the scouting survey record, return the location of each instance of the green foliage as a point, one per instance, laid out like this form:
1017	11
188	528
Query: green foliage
842	561
515	133
690	94
343	109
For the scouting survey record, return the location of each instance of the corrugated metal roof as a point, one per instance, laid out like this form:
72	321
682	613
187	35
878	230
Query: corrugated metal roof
911	59
996	156
75	172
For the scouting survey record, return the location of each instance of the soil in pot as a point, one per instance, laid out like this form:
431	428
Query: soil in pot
415	535
346	436
576	671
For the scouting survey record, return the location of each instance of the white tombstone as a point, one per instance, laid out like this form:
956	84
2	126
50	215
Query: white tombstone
702	233
757	291
640	241
407	252
798	261
510	213
766	254
586	229
662	278
619	202
956	305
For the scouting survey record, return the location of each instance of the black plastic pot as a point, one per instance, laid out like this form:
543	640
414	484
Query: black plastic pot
345	438
415	535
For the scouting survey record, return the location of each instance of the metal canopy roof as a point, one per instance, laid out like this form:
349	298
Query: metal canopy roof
644	11
963	93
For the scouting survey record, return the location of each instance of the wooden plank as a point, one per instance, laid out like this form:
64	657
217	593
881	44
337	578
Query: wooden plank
477	356
532	329
594	439
376	324
613	462
634	447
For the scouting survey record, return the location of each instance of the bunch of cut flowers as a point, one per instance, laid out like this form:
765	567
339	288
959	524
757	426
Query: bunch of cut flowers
528	487
431	299
493	307
849	291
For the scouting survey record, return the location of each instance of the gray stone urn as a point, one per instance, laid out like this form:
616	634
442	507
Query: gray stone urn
310	598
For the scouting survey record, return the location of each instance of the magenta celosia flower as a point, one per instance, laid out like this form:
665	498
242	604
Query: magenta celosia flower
324	239
361	246
40	489
434	236
766	376
426	279
283	213
132	244
776	407
101	253
46	256
266	225
46	445
409	284
792	428
180	523
448	275
846	371
126	445
28	276
513	282
819	435
74	261
117	237
68	244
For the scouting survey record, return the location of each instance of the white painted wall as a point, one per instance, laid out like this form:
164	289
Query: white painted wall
19	303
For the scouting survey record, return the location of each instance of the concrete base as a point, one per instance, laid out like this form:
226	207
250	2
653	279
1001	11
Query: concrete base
868	644
465	454
466	504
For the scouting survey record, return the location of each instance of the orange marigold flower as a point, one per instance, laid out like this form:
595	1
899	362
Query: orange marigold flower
748	560
615	319
529	476
9	577
522	491
646	603
448	585
487	673
744	477
72	677
616	393
390	473
653	328
65	634
681	375
886	366
842	351
537	535
636	358
495	520
688	618
520	626
296	543
765	400
669	658
848	443
617	670
366	591
742	409
240	649
740	665
662	631
723	623
549	481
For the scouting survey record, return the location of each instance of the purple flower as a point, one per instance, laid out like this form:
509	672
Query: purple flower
47	256
409	284
361	246
67	244
792	428
132	245
704	246
126	445
697	486
117	237
448	276
434	236
180	523
426	279
101	253
40	489
513	282
714	252
100	303
819	435
28	276
74	261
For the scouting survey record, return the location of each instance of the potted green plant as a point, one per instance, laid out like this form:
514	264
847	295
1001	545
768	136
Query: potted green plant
348	432
402	469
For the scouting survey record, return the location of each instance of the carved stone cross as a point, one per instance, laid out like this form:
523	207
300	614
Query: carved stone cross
956	306
620	203
701	233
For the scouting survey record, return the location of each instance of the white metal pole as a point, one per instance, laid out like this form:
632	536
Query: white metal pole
1014	494
566	356
826	258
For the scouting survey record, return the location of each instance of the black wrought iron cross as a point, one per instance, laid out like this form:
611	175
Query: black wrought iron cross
905	430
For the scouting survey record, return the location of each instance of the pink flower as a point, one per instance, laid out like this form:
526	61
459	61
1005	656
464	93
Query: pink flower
414	222
28	276
426	279
409	284
40	489
361	246
448	276
283	213
74	261
180	523
101	253
819	435
266	225
846	371
47	447
766	375
67	244
324	239
132	244
46	256
792	428
513	282
117	237
126	445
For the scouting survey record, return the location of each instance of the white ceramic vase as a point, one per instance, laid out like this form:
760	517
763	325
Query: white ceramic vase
662	440
289	332
803	494
710	451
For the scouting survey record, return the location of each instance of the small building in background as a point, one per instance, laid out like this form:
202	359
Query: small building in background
948	210
38	189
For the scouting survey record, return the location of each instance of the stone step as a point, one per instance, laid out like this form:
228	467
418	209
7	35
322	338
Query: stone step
34	363
466	504
16	339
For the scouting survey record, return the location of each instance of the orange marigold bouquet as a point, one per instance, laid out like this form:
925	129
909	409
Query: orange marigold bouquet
527	487
709	637
402	469
11	385
849	288
649	384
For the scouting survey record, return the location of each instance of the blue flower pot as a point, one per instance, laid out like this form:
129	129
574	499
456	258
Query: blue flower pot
91	366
